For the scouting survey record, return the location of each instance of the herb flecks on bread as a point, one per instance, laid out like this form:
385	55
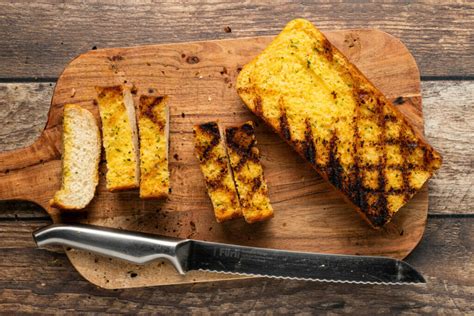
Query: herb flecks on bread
336	119
153	126
120	140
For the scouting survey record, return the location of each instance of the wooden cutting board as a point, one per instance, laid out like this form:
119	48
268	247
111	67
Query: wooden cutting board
200	80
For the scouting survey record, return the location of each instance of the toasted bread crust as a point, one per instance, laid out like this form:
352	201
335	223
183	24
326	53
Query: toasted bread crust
213	161
152	123
335	118
244	160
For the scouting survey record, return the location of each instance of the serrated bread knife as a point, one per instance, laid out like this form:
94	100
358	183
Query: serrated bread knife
187	254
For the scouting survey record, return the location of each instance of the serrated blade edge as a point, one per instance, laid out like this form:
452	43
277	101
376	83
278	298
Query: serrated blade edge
310	279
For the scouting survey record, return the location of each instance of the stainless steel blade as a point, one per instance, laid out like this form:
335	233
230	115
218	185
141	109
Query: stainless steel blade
186	254
263	262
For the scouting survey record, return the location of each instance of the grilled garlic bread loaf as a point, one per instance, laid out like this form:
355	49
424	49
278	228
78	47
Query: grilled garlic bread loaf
153	127
119	131
244	160
210	151
330	113
80	160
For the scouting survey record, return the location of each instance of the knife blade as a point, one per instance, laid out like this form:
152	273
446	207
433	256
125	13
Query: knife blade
187	254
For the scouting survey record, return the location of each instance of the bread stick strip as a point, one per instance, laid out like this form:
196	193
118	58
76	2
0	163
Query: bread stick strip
247	171
153	126
210	151
119	130
80	160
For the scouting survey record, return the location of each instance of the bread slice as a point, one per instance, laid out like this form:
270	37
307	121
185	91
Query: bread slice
210	151
244	160
153	127
80	161
119	131
336	119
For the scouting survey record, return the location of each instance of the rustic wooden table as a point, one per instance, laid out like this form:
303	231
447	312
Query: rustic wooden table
38	40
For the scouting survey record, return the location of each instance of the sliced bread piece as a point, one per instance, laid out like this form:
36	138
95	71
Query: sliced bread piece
153	127
335	118
215	167
80	160
119	131
247	170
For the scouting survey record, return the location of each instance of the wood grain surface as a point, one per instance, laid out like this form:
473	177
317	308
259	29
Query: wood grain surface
40	37
200	81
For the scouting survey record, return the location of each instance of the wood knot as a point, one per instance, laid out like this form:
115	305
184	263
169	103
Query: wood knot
192	60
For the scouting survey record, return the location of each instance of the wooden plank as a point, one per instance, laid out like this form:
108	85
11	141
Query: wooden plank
450	190
449	116
39	38
40	281
23	113
17	234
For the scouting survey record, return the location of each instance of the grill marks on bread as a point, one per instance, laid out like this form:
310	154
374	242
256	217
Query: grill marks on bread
214	164
248	172
153	123
324	107
308	147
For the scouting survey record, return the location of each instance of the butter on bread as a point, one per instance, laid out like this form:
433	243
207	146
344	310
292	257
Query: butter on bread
247	171
214	164
120	140
336	119
153	127
80	159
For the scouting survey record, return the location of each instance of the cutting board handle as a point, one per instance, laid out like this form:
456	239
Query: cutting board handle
27	173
